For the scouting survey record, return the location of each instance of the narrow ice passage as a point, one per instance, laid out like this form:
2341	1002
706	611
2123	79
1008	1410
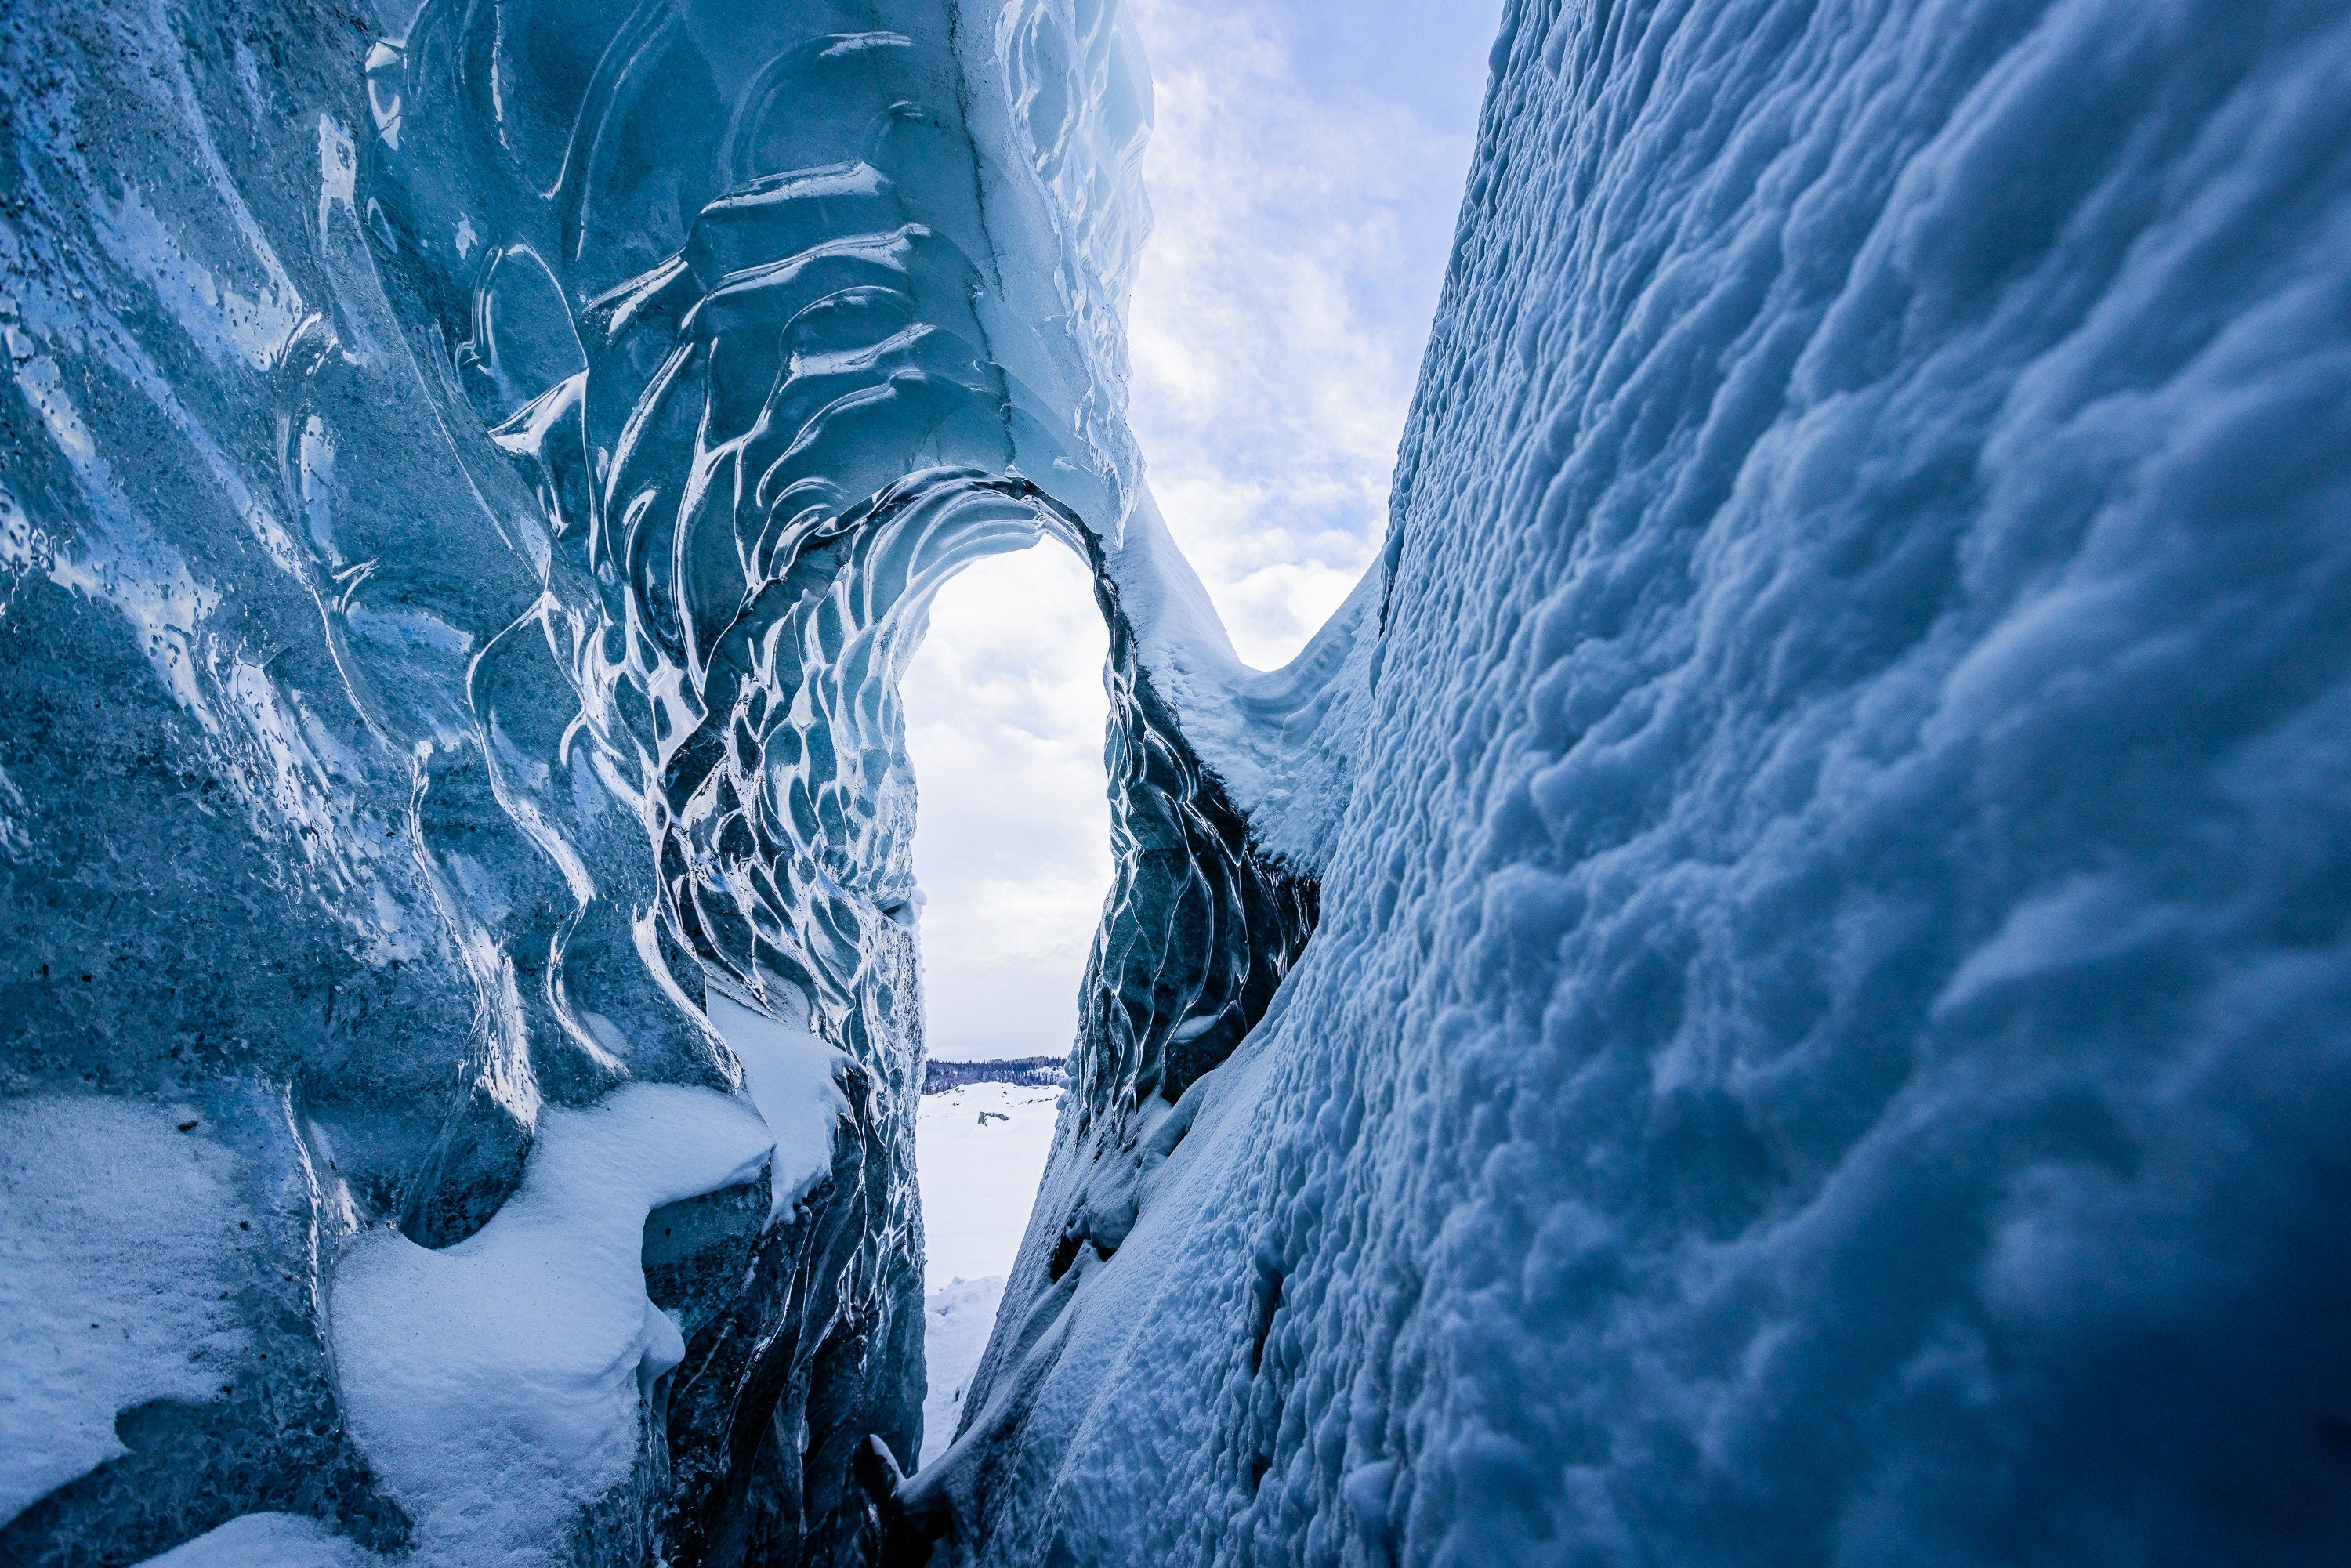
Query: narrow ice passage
1772	990
1005	714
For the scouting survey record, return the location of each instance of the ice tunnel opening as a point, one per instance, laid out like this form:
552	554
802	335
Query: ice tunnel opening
1005	711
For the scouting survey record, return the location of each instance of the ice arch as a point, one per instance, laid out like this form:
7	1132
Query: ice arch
560	414
757	325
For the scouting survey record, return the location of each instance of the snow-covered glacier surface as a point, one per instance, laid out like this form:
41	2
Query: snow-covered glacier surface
1829	1036
1772	990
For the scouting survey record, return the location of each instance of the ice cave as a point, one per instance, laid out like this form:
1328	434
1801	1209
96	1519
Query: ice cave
1773	988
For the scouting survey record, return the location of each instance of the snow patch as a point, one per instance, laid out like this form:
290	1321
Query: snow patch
495	1385
113	1224
790	1075
267	1540
956	1320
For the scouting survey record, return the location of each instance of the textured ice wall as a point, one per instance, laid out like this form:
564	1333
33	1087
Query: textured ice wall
473	475
1827	1039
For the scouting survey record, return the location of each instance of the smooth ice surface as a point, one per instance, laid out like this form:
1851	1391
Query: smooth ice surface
109	1219
495	1385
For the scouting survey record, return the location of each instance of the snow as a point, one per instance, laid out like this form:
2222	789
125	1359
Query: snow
495	1385
979	1176
980	1150
112	1223
790	1076
267	1540
957	1319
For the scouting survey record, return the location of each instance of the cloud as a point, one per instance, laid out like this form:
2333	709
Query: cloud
1004	724
1280	312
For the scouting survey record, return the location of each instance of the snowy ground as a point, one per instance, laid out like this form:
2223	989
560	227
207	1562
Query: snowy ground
978	1180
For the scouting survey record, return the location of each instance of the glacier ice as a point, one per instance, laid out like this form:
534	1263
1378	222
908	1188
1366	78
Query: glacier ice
475	477
1770	988
1826	1040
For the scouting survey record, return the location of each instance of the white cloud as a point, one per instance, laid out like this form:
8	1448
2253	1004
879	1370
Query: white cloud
1004	722
1281	310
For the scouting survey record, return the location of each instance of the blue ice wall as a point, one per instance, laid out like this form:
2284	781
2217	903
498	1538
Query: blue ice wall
473	475
1829	1040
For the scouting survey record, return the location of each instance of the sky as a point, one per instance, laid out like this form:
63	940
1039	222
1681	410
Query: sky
1305	171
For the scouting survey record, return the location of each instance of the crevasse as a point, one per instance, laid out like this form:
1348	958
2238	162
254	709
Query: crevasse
1771	989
